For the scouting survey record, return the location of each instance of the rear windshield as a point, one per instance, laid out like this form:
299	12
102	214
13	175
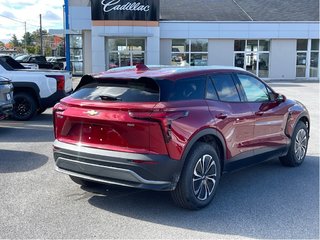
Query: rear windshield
142	90
111	90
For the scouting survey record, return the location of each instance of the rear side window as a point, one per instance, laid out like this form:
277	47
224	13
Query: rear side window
118	90
225	87
183	89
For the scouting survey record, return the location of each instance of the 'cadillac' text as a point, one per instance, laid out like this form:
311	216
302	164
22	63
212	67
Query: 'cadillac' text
113	5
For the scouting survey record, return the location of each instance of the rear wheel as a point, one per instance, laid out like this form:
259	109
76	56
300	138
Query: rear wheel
25	106
199	179
82	181
298	147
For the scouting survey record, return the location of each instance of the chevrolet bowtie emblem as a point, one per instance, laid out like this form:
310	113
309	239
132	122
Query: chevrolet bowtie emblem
92	113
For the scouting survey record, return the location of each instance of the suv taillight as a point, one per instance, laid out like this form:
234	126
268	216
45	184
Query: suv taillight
60	82
58	110
165	118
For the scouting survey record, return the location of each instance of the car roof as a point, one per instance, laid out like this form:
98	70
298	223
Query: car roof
163	72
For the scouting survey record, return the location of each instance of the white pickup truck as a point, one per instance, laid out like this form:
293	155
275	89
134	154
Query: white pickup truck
34	90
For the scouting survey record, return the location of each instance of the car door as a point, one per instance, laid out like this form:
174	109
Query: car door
270	115
231	116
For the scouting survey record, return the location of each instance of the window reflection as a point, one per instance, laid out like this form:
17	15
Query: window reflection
253	55
76	54
125	52
301	64
314	64
189	52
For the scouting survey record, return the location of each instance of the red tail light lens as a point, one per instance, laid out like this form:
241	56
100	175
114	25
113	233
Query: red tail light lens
60	82
165	118
58	110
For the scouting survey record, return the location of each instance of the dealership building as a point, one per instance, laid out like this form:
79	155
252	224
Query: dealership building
274	39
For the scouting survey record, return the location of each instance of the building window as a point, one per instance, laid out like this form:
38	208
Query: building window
125	52
252	55
76	54
307	64
314	58
189	52
302	51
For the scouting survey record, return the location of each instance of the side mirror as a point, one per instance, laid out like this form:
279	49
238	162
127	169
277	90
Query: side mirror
280	98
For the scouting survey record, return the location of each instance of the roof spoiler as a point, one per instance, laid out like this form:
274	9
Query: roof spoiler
85	80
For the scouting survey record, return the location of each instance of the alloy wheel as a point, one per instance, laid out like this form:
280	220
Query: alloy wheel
22	107
300	146
204	177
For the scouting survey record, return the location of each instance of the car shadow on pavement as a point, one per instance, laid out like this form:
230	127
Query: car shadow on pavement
20	161
262	201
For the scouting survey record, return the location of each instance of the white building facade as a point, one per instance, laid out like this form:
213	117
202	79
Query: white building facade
114	33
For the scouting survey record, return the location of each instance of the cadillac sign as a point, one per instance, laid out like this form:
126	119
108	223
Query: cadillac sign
140	10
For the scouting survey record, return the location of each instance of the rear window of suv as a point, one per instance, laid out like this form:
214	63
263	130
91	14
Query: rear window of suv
121	90
143	90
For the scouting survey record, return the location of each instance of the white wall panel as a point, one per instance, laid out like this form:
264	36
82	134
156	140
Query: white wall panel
283	59
220	52
236	30
80	18
165	53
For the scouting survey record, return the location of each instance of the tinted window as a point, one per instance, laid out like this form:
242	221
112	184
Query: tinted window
226	88
183	89
255	90
211	93
114	90
40	59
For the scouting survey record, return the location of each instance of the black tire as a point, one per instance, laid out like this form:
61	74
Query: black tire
298	147
25	106
82	182
195	189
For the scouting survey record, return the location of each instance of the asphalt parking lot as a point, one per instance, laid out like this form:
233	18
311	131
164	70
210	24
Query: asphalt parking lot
264	201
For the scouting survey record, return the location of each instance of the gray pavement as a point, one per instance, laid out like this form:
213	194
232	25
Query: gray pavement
264	201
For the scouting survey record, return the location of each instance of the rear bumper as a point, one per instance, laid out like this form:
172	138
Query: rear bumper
152	171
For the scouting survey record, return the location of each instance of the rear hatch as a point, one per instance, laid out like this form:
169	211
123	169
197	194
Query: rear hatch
102	114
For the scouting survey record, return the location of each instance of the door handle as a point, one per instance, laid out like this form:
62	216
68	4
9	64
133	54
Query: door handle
259	113
221	116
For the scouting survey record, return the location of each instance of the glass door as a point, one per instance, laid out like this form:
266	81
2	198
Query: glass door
122	52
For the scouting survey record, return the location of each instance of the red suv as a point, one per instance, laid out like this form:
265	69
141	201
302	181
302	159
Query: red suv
175	129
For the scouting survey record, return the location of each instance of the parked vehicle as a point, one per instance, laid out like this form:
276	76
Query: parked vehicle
34	90
175	129
40	60
58	62
6	97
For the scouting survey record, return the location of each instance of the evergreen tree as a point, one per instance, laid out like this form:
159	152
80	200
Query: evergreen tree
14	41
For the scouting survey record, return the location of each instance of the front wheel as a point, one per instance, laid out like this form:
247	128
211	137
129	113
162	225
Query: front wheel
298	147
25	106
199	179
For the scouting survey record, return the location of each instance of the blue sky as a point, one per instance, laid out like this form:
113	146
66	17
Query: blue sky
29	11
